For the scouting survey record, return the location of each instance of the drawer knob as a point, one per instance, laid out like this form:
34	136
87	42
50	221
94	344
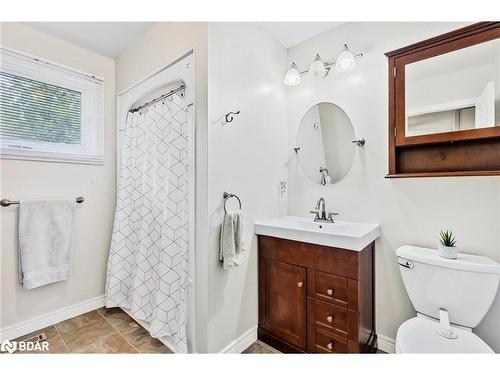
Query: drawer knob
329	292
329	345
300	284
329	319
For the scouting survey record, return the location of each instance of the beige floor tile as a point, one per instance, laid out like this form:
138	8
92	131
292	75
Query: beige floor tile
91	333
109	344
259	348
118	318
100	331
57	345
143	342
91	319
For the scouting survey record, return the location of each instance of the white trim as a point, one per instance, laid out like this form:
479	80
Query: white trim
90	117
442	107
241	343
51	157
34	324
161	69
42	59
386	344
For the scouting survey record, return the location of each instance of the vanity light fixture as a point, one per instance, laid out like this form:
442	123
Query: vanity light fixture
345	62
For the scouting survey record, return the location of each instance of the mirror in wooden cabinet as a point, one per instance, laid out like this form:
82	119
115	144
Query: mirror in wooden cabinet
444	104
455	91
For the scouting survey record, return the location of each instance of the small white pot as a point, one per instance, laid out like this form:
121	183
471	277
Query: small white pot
450	252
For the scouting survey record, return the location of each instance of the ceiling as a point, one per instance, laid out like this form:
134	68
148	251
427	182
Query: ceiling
111	38
292	33
106	38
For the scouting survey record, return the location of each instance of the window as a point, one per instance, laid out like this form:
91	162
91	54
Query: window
49	112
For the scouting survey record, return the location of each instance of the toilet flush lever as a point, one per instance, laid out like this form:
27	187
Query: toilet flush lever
445	328
405	263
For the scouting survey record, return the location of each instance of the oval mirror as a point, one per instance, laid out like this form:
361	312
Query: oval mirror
324	143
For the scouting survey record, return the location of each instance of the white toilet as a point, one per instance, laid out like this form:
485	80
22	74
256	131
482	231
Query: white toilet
451	296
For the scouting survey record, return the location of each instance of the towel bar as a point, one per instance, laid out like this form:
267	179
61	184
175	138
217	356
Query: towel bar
227	195
8	202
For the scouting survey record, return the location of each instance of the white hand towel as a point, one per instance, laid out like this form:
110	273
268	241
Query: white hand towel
45	229
232	250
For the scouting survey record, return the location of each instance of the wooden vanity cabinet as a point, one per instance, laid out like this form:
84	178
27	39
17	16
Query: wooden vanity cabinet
316	299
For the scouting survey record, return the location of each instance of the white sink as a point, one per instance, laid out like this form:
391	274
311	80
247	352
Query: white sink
343	234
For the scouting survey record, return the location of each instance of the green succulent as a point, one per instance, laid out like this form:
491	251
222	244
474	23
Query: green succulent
447	239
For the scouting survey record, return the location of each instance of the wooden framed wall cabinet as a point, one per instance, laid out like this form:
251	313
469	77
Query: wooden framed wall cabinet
444	105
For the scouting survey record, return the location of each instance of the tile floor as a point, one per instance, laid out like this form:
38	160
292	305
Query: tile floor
100	331
107	331
259	347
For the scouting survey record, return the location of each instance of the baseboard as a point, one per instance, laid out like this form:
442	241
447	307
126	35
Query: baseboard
242	342
28	326
386	344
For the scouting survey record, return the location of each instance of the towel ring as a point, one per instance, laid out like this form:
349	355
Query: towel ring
226	196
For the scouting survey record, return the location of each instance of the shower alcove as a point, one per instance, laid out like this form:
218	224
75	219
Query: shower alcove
151	267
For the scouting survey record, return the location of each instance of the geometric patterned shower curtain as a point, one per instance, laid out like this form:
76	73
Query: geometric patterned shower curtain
148	261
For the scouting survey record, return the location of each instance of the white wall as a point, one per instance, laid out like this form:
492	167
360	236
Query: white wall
31	179
246	157
161	45
410	211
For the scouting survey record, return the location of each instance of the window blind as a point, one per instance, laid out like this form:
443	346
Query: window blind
48	111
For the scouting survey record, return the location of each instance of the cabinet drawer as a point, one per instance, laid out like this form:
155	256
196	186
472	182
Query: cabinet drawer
327	316
328	287
326	342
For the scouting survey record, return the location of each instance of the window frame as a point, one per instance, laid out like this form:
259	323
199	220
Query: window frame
91	89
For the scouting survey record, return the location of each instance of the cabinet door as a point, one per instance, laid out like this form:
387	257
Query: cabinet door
285	301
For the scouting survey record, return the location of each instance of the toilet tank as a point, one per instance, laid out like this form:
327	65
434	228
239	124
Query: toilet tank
465	287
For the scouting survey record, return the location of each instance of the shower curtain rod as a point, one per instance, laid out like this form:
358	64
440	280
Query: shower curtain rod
160	98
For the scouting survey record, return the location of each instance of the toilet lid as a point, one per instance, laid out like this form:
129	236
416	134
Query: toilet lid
419	335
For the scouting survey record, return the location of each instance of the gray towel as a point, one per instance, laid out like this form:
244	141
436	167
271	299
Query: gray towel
45	229
232	250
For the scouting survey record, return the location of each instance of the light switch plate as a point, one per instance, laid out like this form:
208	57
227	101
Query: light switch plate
283	189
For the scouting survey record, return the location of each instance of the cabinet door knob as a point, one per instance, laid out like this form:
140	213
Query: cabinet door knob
329	292
329	345
329	319
300	284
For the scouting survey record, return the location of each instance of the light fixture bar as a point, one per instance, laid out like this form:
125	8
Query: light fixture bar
329	65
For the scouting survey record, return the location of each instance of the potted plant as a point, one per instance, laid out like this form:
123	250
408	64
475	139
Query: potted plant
447	248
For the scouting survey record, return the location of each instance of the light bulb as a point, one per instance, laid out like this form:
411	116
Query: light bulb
345	60
292	77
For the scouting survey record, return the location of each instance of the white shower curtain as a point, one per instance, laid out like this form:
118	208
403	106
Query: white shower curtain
147	267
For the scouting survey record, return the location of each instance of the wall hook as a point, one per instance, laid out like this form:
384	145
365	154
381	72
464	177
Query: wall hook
359	142
230	117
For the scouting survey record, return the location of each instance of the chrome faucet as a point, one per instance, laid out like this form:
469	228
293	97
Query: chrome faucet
320	211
